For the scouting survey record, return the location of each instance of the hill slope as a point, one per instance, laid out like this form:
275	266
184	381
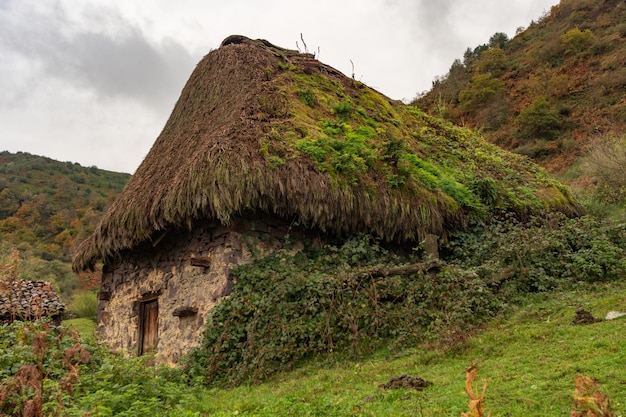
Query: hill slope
47	207
549	92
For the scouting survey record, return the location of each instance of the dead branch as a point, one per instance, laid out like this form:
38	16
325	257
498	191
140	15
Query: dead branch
378	272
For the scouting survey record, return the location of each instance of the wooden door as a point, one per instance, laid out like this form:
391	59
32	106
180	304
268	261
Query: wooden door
148	326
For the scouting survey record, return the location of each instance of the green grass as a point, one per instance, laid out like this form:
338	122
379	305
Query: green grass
85	327
529	360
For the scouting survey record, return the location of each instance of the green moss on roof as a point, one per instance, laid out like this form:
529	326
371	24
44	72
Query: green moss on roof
259	127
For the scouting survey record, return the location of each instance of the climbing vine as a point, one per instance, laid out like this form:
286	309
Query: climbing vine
286	307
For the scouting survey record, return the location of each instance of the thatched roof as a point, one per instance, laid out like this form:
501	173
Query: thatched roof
258	127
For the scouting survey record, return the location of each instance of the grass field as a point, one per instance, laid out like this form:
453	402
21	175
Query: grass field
85	327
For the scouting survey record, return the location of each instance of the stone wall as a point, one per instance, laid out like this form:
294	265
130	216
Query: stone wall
188	272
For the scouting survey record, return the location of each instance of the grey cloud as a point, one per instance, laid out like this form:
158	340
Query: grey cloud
114	64
433	13
431	24
131	67
433	19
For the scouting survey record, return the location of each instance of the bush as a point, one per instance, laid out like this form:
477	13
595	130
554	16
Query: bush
544	254
482	88
50	371
492	61
39	367
576	40
288	307
539	121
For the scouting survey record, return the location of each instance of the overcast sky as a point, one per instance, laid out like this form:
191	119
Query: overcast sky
94	81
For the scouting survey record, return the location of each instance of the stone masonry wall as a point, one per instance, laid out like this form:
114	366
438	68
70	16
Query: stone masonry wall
188	272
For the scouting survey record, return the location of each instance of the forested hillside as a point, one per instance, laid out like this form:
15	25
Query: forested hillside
47	208
552	92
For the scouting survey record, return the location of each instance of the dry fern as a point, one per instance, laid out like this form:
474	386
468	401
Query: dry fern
589	400
476	400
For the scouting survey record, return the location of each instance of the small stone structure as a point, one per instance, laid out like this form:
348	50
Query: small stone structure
156	297
29	300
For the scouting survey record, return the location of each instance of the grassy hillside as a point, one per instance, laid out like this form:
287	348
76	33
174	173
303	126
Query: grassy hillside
47	208
552	92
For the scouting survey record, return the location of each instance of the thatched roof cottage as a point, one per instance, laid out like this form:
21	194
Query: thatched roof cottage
263	138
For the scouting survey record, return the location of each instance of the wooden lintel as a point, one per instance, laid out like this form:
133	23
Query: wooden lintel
185	311
204	262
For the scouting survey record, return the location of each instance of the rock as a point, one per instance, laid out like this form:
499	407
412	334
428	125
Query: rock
612	315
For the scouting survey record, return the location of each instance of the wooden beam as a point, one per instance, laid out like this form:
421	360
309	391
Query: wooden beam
204	262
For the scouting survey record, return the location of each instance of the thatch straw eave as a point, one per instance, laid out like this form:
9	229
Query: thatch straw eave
261	128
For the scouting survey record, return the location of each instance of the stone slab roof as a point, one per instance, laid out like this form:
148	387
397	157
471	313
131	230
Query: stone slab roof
29	300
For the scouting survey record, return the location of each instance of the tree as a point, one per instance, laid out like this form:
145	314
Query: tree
498	40
482	88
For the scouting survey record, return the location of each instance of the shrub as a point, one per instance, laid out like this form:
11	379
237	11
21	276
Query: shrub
342	109
307	97
287	307
39	367
539	121
50	371
544	254
576	40
605	164
492	61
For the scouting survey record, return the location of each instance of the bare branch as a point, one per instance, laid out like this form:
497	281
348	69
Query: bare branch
306	49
